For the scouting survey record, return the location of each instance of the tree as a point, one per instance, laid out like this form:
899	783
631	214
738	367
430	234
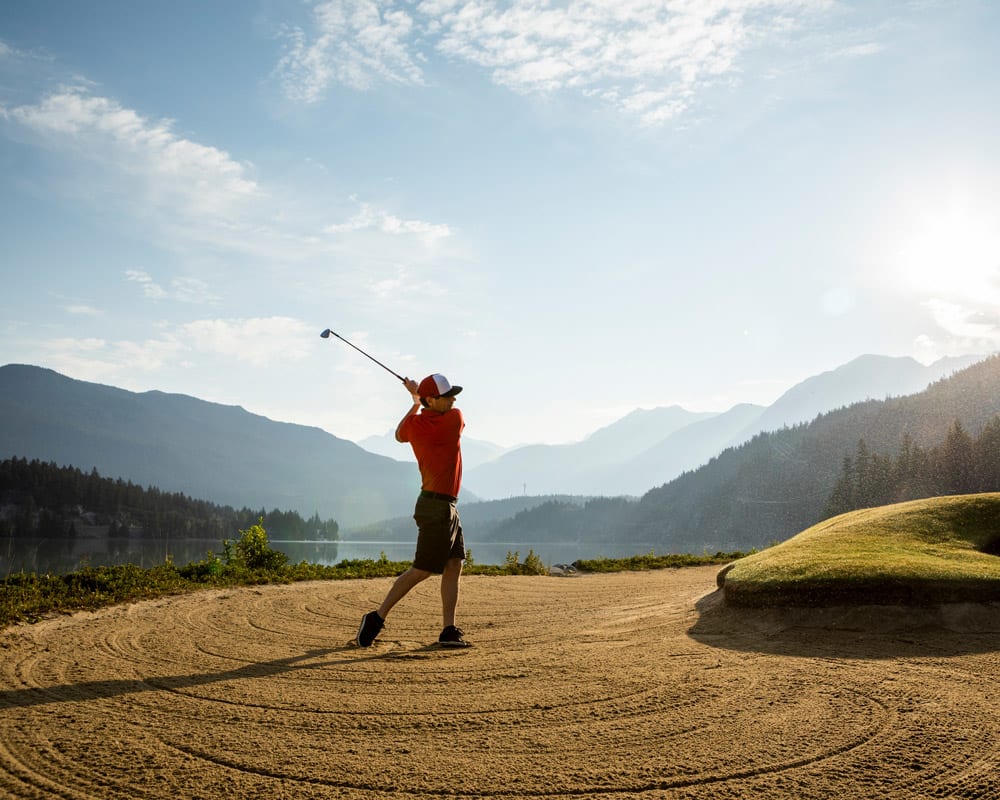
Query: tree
842	498
956	462
862	476
987	458
51	497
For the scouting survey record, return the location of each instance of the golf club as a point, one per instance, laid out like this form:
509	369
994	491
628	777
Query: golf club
328	333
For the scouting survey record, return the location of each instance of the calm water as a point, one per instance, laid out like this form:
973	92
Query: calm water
66	555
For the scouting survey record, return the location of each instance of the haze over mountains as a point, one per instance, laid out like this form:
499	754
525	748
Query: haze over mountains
779	482
227	455
205	450
648	448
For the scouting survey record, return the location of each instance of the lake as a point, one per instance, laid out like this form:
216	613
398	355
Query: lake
66	555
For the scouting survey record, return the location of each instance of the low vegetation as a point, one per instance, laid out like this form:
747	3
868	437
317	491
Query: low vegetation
921	552
250	560
652	561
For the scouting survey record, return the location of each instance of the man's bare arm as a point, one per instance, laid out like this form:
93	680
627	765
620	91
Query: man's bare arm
412	387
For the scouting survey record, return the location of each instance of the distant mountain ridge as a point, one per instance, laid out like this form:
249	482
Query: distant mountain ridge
577	468
229	456
867	377
647	448
205	450
778	483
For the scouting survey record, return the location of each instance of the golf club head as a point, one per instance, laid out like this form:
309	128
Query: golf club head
326	334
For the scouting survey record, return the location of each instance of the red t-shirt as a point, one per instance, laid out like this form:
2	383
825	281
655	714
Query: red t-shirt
434	438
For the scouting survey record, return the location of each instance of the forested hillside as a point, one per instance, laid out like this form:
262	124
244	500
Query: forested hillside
40	499
202	449
962	464
781	482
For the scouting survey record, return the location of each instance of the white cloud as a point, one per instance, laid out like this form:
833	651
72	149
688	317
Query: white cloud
649	58
371	218
404	284
183	290
83	310
187	190
358	42
10	53
97	359
859	50
965	329
149	287
193	290
257	342
193	196
81	345
209	180
84	358
150	355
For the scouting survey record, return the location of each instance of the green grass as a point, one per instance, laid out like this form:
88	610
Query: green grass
28	597
652	561
923	552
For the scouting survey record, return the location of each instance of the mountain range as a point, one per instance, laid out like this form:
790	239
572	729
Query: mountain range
205	450
779	482
229	456
648	448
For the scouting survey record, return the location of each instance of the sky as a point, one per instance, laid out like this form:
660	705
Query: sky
572	208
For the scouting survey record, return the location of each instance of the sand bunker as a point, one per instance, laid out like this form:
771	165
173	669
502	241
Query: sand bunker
628	685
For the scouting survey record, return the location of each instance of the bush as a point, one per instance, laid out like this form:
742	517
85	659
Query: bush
204	571
253	551
532	564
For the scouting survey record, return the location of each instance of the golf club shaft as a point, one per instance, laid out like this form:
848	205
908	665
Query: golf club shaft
327	333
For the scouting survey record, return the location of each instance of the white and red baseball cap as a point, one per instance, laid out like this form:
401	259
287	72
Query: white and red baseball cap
437	385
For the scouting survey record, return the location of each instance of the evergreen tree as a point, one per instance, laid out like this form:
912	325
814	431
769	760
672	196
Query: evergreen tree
960	465
48	498
842	498
956	463
862	476
987	458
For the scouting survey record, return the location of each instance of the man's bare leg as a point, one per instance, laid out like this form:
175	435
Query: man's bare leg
449	590
401	587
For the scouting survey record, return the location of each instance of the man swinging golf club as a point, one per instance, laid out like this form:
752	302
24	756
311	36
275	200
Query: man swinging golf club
434	434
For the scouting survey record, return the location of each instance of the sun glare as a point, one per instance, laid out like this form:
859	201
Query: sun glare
953	253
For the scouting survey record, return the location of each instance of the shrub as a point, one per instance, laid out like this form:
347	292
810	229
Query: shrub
532	564
253	551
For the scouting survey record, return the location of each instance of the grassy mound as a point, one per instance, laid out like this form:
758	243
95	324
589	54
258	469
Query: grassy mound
924	552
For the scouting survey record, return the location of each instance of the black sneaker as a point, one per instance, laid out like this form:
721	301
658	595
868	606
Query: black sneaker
371	624
452	637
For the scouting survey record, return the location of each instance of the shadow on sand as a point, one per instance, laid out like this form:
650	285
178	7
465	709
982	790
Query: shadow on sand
852	632
94	690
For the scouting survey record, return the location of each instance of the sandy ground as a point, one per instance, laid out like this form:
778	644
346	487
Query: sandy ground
630	685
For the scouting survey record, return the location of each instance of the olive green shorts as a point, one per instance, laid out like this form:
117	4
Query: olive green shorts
439	534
